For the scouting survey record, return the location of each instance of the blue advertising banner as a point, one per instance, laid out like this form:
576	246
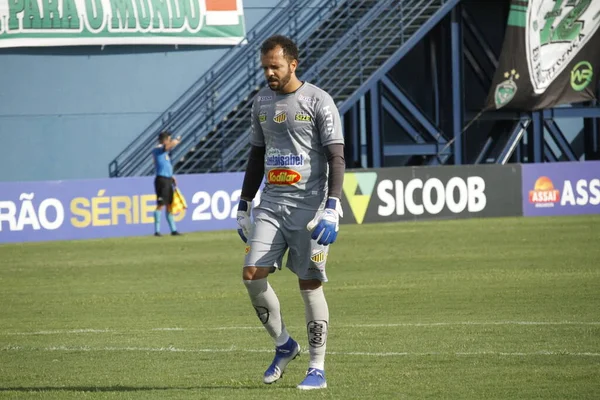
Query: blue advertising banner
562	188
101	208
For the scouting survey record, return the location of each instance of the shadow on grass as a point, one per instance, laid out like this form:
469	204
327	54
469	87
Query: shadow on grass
129	388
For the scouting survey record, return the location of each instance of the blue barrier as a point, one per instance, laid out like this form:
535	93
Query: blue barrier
562	188
101	208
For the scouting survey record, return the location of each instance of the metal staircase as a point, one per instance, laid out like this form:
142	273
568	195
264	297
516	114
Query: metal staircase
233	80
346	64
220	151
342	43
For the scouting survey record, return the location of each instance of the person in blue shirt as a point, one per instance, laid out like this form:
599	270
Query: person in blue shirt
164	181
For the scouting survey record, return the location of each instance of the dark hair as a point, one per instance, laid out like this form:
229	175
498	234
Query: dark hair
163	136
290	50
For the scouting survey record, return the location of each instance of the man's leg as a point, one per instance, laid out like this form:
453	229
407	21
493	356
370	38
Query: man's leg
317	323
307	260
265	250
171	221
157	213
169	194
161	193
265	303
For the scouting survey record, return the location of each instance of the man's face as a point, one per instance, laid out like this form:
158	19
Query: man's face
278	71
166	140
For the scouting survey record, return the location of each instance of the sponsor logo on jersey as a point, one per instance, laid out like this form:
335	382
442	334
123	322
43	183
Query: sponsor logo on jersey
307	99
318	257
302	117
264	98
275	158
544	194
281	176
262	117
328	120
280	117
285	160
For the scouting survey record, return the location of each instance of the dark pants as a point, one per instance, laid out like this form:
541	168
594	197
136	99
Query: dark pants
164	190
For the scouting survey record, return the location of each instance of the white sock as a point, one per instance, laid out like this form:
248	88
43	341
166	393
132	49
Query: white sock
266	305
317	325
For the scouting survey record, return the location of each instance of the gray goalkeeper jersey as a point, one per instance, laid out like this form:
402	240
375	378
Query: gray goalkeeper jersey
294	128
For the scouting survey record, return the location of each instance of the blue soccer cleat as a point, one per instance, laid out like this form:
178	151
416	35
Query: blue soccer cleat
315	379
283	355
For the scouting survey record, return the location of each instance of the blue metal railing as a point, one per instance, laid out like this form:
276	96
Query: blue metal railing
233	134
443	8
345	67
367	42
206	103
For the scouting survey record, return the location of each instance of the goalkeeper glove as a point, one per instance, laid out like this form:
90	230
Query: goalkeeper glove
325	224
243	219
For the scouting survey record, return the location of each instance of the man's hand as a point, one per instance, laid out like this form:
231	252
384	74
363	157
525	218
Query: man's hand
172	143
325	224
174	181
243	219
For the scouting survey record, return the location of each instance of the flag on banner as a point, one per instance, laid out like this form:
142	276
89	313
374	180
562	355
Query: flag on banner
550	55
179	204
222	12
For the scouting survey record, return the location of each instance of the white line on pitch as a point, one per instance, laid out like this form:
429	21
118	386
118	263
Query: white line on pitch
393	325
232	349
58	332
473	323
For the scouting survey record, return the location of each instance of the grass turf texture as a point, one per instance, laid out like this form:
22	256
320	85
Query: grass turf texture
471	309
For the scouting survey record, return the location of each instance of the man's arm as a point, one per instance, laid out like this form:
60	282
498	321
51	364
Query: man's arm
337	167
325	225
170	145
329	125
256	161
253	176
254	173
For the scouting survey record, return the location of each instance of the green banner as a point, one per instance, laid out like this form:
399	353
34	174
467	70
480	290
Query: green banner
43	23
550	55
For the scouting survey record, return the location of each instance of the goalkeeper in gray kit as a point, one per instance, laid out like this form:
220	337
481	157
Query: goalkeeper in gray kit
297	146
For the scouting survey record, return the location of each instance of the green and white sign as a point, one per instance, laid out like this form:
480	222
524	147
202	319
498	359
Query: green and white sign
556	31
550	55
44	23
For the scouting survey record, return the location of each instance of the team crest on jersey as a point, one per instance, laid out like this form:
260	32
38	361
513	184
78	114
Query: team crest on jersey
318	257
262	117
301	116
280	117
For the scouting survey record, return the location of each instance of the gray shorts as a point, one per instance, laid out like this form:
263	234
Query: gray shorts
278	228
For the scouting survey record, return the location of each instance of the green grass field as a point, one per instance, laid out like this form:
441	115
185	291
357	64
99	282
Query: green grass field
473	309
